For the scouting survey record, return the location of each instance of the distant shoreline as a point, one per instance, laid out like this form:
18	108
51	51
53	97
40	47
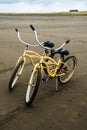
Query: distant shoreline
81	13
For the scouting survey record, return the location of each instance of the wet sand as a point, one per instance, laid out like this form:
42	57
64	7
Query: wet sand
62	110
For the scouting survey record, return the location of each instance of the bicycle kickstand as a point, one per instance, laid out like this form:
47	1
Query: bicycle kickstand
56	84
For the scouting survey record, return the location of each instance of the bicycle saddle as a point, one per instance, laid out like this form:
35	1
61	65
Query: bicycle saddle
63	51
48	44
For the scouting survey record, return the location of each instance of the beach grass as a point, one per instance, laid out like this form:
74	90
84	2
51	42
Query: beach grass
47	13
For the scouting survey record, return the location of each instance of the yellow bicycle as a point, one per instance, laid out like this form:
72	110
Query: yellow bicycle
62	68
27	54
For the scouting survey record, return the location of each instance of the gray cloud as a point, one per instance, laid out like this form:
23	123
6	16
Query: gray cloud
8	1
41	5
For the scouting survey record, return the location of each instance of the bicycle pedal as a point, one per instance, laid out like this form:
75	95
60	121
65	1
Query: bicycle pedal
45	79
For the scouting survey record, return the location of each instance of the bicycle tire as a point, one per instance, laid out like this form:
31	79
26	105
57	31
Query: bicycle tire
33	89
14	76
63	80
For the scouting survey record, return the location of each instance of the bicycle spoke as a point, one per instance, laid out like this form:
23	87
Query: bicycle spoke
68	69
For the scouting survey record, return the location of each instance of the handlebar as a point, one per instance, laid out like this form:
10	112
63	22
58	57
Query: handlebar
25	43
67	41
32	27
39	43
16	29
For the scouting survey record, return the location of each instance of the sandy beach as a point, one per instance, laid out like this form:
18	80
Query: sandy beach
62	110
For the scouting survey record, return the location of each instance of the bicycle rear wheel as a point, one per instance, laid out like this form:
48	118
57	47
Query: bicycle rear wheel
32	88
68	68
15	75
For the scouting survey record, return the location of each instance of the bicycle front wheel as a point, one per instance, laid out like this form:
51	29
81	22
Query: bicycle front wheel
15	75
32	88
68	69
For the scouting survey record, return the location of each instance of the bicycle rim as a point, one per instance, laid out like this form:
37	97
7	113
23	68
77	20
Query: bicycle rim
15	75
33	87
67	69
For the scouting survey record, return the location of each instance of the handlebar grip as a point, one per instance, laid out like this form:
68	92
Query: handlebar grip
16	29
67	41
32	27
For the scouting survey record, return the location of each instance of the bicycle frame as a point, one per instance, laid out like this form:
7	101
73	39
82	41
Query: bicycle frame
46	62
27	54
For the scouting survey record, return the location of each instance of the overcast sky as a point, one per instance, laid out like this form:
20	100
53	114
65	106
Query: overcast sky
42	5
